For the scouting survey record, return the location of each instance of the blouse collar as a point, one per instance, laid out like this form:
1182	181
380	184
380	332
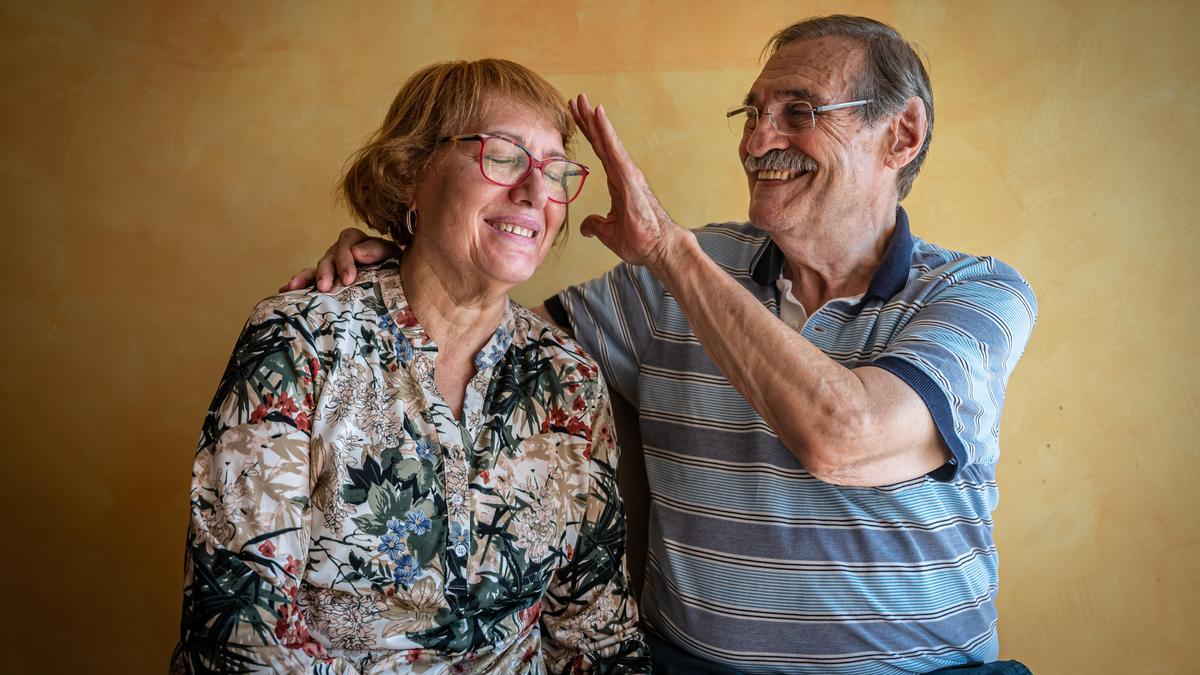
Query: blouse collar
411	337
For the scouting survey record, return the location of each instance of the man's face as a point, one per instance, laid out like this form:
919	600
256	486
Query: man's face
847	168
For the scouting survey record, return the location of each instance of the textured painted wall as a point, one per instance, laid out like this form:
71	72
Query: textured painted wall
162	167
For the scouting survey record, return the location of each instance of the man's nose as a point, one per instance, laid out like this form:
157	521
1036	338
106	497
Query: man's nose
764	136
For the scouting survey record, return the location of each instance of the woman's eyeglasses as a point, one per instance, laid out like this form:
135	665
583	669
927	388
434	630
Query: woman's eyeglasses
506	163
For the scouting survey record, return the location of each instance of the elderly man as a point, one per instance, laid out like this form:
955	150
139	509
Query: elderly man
819	390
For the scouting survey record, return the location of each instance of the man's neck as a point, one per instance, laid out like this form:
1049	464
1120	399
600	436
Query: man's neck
840	262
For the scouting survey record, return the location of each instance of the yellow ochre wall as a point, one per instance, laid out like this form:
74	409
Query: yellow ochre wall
164	165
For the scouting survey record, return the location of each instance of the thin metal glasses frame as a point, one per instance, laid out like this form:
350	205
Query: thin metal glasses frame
752	117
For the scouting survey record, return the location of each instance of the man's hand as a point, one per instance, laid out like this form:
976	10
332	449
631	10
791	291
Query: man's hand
352	248
637	228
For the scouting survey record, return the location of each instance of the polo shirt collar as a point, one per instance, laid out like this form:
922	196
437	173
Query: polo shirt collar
890	277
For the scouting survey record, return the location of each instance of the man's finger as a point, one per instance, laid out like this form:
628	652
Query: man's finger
573	106
350	236
609	133
343	259
373	250
343	264
592	225
303	279
592	126
325	272
601	135
582	116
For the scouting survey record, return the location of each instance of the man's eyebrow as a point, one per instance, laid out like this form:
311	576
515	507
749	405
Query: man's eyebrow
787	94
802	94
520	140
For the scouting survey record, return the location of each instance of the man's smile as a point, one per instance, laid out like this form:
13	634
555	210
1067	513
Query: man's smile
777	175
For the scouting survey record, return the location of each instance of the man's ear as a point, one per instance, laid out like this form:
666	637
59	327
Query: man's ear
907	134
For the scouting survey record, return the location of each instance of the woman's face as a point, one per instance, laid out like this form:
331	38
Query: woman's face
463	220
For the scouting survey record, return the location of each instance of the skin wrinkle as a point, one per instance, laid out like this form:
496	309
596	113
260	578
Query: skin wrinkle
827	69
458	270
833	226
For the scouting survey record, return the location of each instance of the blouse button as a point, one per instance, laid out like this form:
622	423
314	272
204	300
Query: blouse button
456	500
460	550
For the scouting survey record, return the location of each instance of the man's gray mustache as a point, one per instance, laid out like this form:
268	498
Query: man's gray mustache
780	160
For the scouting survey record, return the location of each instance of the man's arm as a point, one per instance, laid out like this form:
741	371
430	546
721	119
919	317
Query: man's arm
352	248
860	426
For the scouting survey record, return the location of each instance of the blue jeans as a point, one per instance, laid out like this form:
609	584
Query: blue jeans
671	660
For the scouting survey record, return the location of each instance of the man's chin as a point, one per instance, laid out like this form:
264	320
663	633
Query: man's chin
772	220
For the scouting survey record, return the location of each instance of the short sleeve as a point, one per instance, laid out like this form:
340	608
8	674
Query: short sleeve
612	316
958	352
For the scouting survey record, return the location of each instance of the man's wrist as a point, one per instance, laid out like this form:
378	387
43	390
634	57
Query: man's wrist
671	249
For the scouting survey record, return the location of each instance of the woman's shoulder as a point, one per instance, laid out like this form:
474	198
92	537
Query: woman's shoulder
340	302
553	341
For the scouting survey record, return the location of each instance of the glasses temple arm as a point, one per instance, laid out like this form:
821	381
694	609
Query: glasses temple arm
847	104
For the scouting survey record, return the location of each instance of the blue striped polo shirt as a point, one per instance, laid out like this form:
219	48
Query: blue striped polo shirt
754	563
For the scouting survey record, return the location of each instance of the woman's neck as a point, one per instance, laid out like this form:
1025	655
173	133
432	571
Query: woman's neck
456	314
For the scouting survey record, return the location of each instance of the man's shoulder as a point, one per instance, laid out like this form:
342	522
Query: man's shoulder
730	232
732	244
937	265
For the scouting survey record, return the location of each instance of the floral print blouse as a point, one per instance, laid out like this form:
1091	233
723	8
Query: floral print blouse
343	521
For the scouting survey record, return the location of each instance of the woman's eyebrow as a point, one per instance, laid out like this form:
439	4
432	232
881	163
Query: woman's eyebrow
520	140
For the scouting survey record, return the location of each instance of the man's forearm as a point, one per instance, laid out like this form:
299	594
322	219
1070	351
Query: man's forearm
822	411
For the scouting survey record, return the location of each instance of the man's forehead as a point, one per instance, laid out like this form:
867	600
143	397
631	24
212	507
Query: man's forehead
815	69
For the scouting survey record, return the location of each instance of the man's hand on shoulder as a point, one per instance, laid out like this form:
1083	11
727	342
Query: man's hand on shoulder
352	249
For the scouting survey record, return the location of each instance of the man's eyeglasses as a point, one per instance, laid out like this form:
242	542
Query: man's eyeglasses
788	118
506	163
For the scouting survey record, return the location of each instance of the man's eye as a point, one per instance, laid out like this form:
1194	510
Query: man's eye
796	110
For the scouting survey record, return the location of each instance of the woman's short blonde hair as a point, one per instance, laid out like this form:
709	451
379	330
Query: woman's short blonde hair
440	100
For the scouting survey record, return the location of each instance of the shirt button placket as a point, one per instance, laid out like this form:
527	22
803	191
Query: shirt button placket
463	520
458	518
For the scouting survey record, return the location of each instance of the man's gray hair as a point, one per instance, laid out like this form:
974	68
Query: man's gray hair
893	73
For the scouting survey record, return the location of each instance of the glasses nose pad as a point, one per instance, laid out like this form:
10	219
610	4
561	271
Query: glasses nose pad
531	188
555	188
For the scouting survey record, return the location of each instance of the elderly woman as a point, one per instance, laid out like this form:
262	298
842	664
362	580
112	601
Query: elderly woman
414	473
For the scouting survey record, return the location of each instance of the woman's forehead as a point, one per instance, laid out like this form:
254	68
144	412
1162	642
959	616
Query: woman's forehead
517	120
